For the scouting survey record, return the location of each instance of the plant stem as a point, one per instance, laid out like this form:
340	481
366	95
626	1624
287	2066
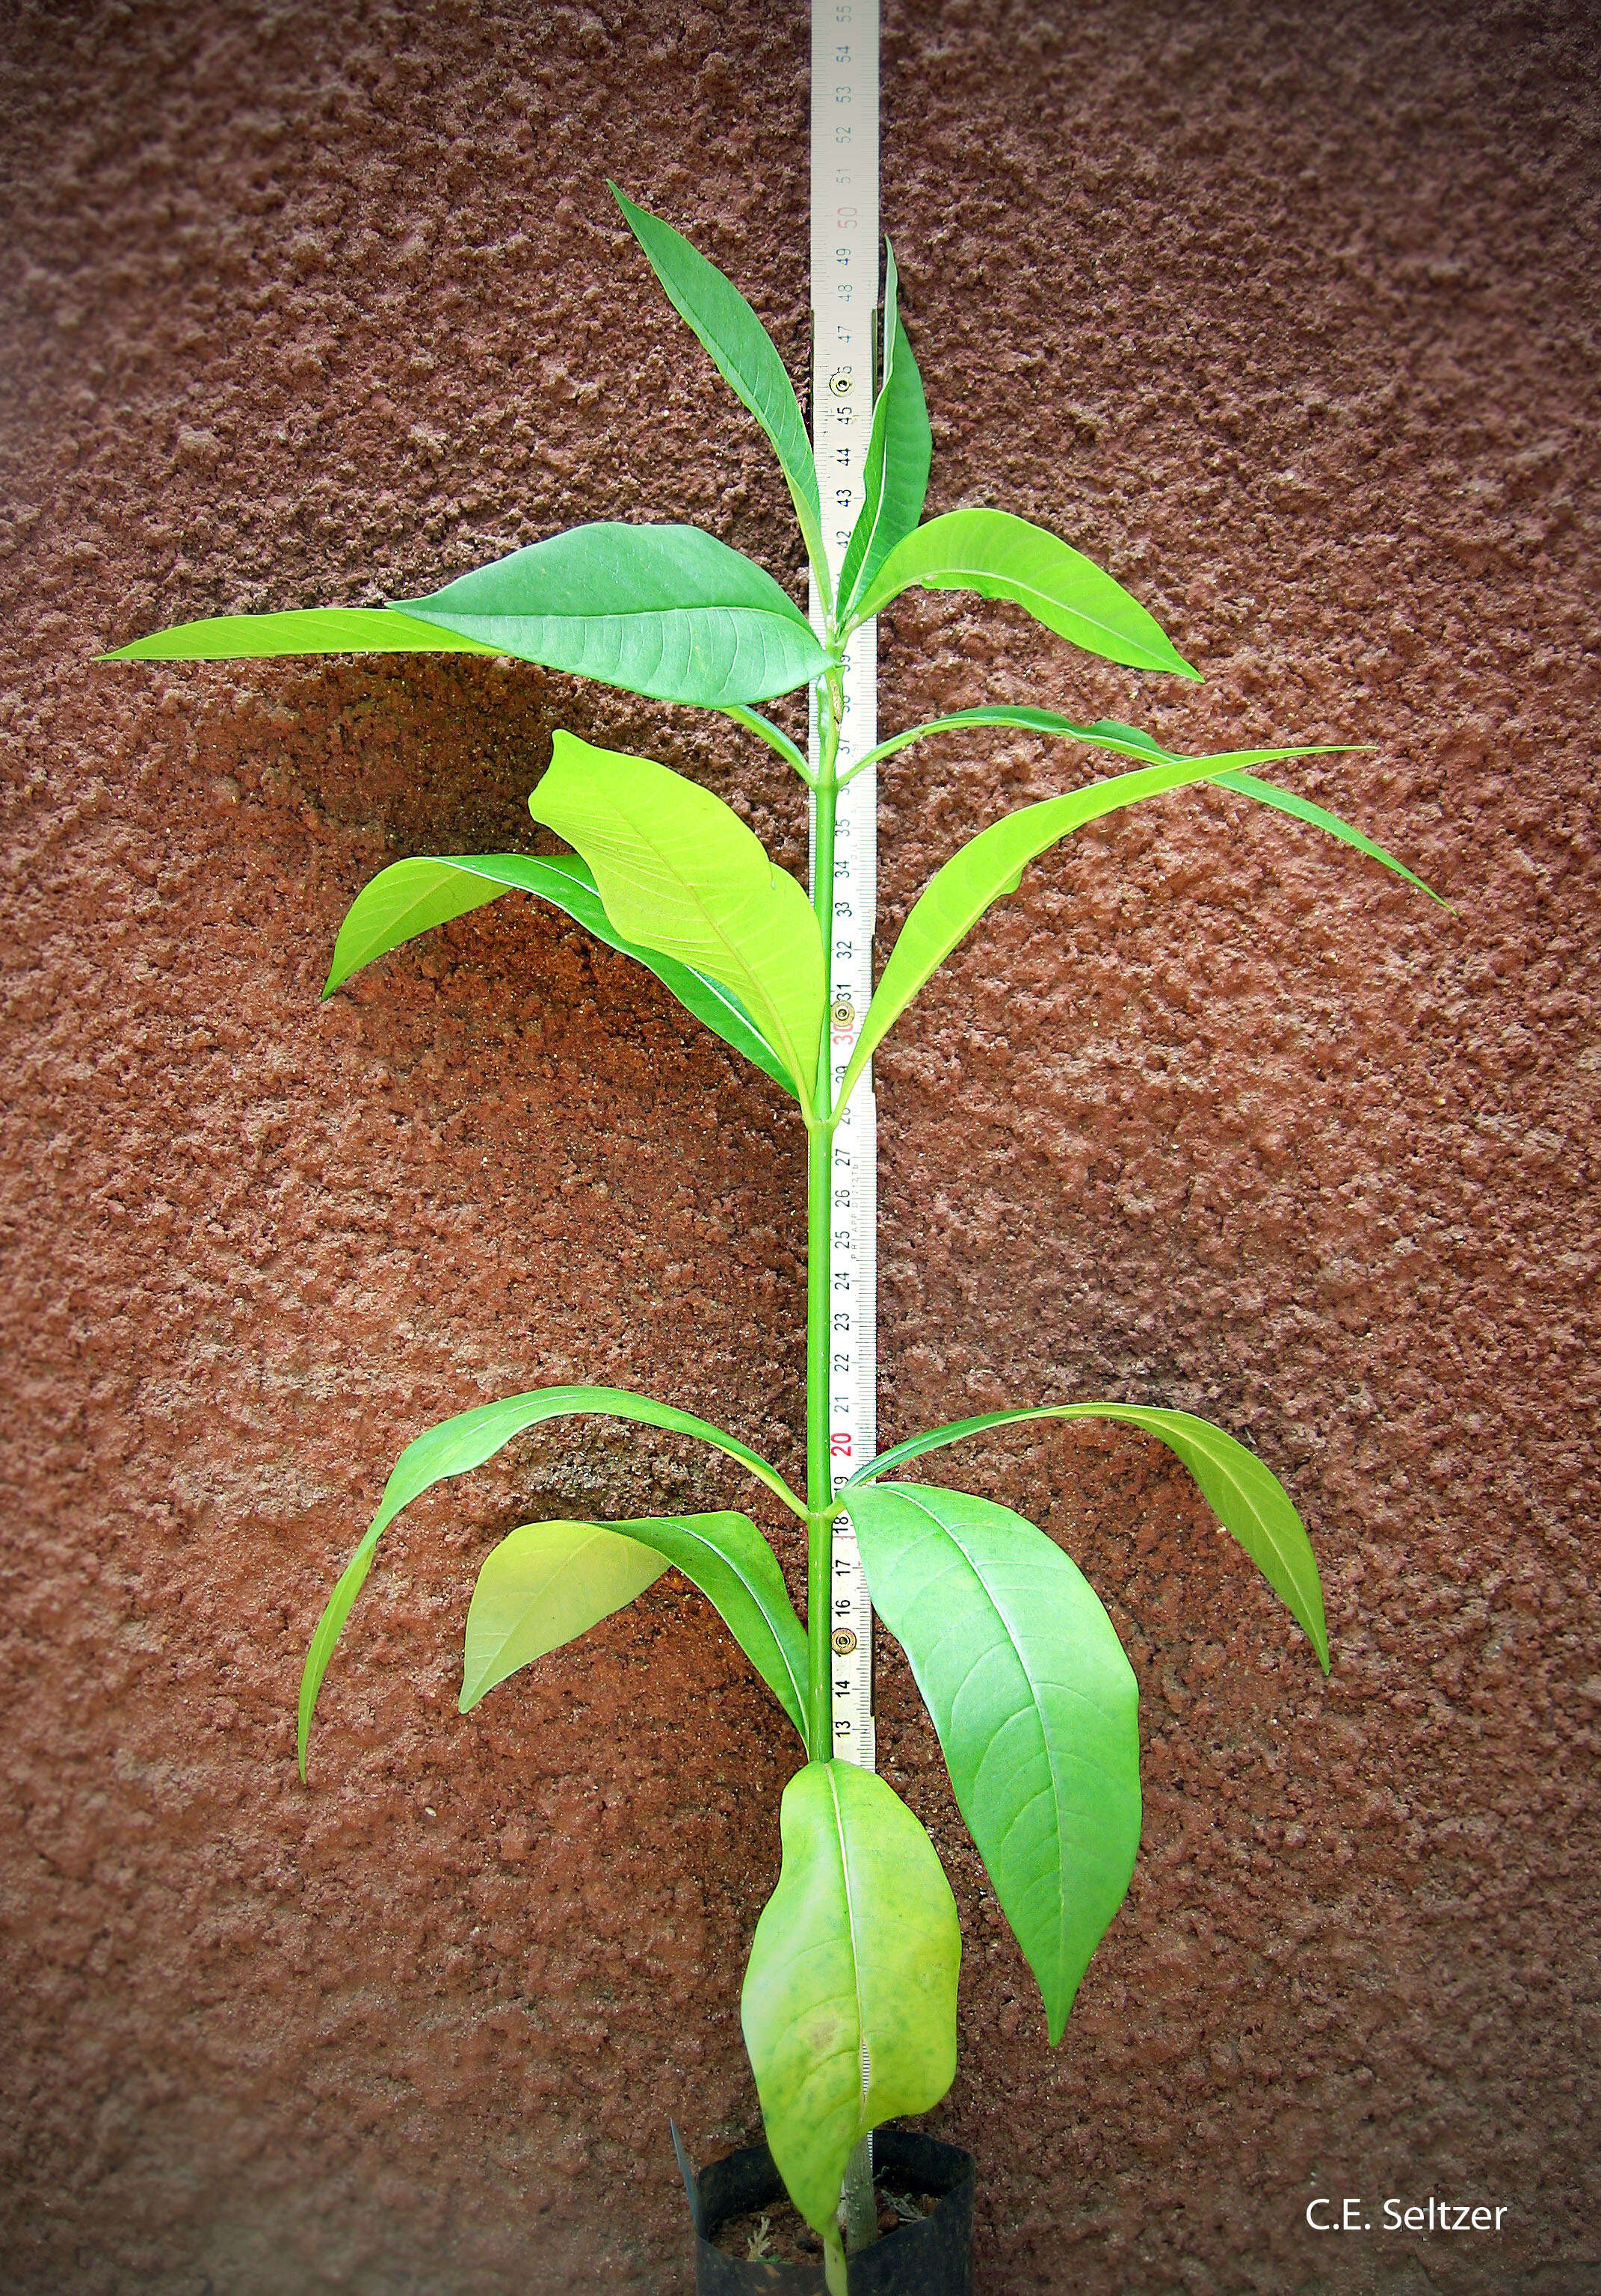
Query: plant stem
833	2261
819	1479
859	2203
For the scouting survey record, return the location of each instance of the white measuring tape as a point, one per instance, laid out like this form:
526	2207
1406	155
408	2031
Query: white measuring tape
844	298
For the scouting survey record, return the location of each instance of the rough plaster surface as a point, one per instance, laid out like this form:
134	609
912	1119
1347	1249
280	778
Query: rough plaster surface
1286	315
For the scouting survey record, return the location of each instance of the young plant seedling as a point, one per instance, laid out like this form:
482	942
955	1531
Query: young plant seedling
850	1996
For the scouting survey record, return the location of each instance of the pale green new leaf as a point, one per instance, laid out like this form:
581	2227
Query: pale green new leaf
311	629
899	450
546	1583
849	2000
743	353
412	897
999	556
665	611
1036	1708
1246	1496
549	1582
459	1444
679	872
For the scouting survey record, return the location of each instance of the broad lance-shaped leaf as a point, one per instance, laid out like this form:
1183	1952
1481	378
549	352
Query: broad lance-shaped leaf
311	629
1247	1498
899	450
1035	1705
548	1582
412	897
1000	556
458	1444
849	2001
665	610
743	353
679	872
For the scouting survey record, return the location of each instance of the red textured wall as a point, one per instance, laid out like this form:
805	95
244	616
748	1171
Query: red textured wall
1286	316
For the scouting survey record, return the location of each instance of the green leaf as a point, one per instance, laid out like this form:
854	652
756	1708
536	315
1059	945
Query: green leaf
1036	1708
992	864
1247	1498
1001	556
679	872
743	353
988	867
1105	734
315	629
459	1444
899	450
546	1583
412	897
549	1582
1300	808
665	611
849	2001
1109	735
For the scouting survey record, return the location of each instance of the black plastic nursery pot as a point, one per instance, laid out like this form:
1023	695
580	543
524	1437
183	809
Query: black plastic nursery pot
932	2256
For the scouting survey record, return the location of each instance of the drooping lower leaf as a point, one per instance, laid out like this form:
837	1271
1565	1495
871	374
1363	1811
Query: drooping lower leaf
1246	1496
412	897
849	2000
549	1582
742	352
899	449
311	629
679	872
1035	1705
1000	556
459	1444
665	611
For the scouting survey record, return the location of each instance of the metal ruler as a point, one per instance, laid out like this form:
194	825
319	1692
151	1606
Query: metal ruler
845	297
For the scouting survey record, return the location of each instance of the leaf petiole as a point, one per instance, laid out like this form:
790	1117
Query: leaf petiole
775	737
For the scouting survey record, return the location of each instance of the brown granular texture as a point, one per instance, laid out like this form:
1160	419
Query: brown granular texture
1286	314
